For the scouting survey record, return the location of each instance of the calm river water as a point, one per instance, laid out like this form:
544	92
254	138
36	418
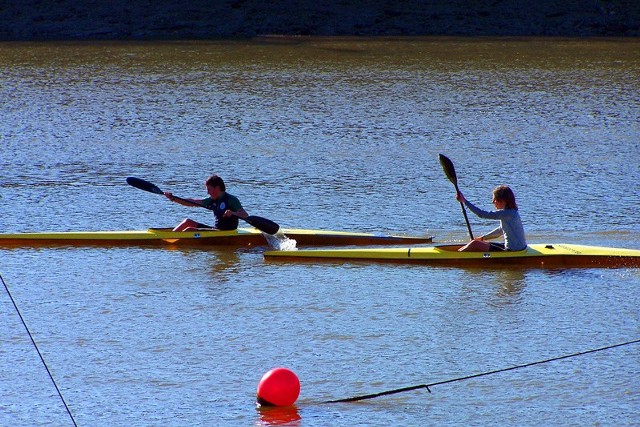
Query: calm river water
318	133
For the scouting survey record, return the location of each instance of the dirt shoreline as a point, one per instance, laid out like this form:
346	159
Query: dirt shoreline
200	19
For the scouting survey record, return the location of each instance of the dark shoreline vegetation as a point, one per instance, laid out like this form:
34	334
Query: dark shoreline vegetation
39	20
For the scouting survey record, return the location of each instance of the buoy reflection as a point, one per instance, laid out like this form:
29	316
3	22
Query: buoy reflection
279	416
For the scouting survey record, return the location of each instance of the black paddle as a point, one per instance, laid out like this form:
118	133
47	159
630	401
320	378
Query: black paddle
258	222
450	171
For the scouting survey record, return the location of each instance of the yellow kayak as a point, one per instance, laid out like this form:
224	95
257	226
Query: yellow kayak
165	236
555	255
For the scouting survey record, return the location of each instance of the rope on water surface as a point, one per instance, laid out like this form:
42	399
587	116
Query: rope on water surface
38	350
416	387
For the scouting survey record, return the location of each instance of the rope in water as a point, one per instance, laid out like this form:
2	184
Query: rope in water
38	350
416	387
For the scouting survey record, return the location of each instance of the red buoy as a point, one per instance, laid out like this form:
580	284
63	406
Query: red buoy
278	387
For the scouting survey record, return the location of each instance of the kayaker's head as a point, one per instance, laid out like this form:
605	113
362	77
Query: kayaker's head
504	198
215	186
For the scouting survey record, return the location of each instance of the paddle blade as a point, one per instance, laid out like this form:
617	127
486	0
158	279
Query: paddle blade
262	224
449	169
143	185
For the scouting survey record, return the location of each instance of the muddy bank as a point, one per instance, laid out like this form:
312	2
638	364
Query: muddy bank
199	19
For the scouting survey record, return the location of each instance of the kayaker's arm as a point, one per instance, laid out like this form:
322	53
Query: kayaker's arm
493	234
183	202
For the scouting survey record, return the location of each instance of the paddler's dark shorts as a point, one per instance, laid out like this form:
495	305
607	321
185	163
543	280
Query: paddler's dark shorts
494	246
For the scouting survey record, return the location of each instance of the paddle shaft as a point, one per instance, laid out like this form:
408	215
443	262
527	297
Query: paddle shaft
464	212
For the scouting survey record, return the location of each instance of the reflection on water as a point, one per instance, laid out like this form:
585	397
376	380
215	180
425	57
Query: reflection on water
278	416
224	266
508	284
511	284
